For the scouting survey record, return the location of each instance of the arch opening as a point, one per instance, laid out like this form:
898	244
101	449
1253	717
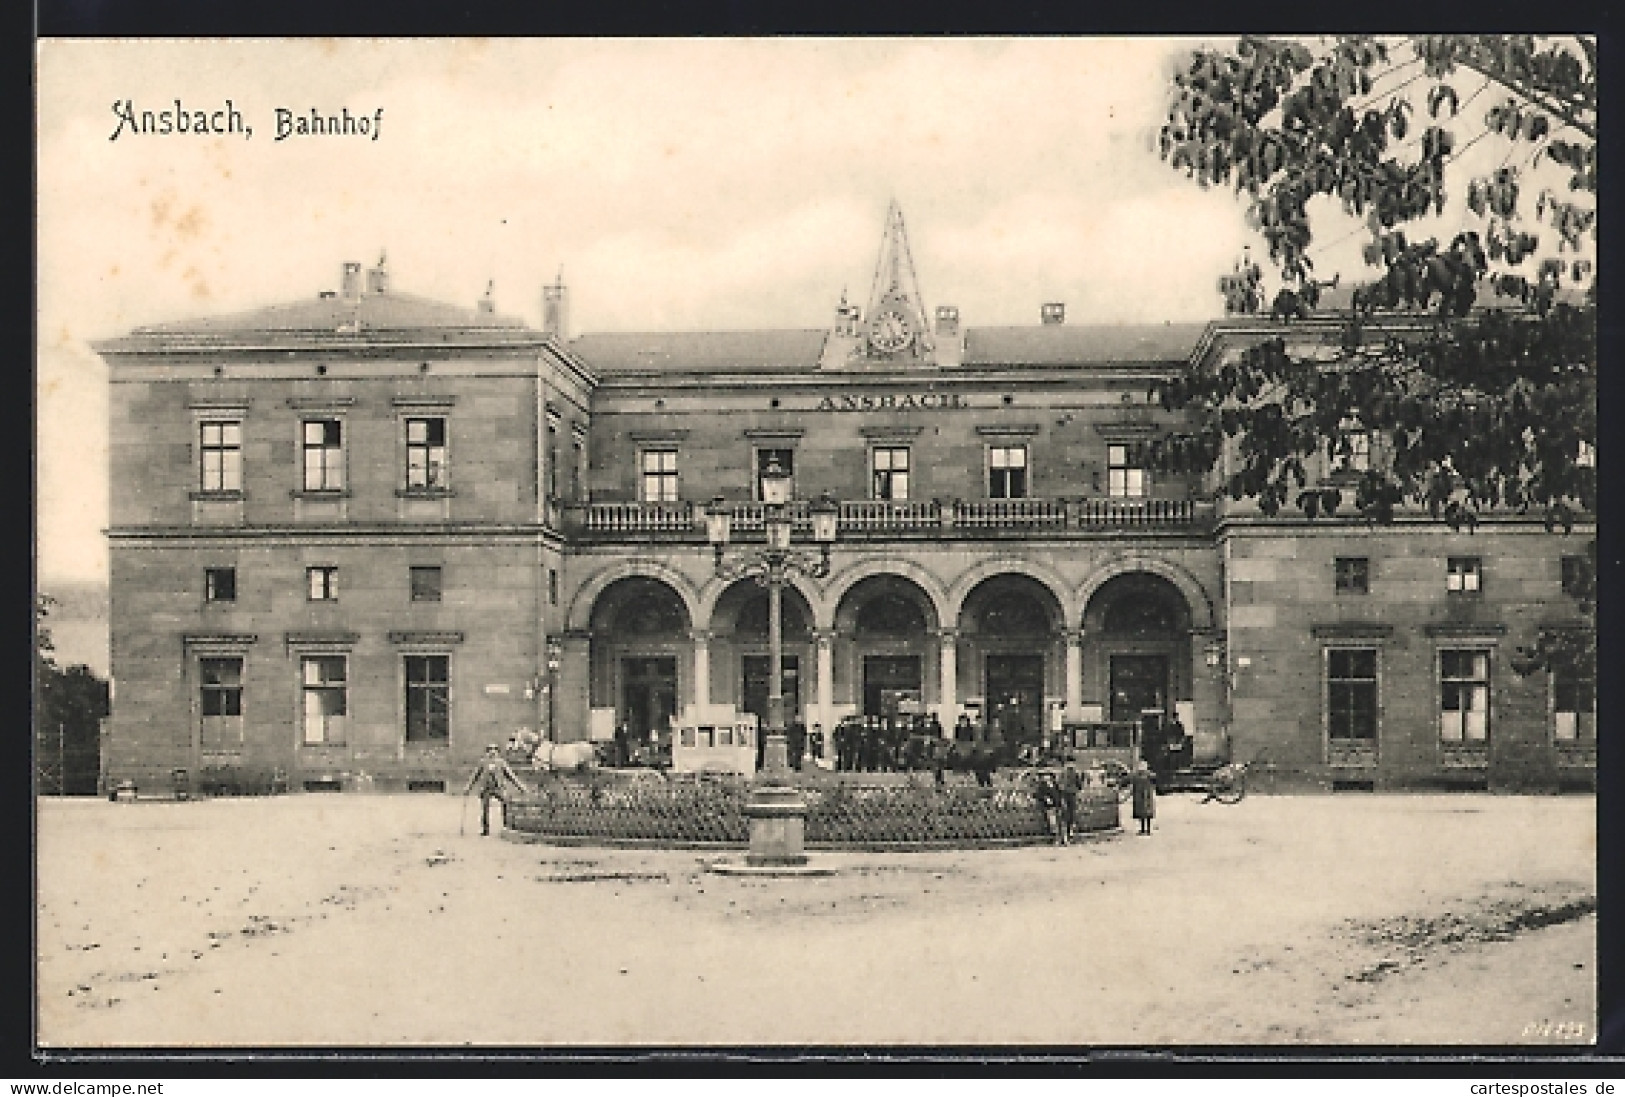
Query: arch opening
640	636
1137	629
1009	657
885	667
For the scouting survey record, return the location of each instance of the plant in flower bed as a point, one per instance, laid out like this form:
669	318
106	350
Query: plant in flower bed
855	813
700	809
673	809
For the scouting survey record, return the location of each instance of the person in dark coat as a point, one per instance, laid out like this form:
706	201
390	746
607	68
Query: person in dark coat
891	744
984	761
1071	784
964	730
1048	795
494	777
796	743
623	744
1178	743
1145	796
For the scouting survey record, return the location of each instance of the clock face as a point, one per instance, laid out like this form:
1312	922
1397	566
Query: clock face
891	332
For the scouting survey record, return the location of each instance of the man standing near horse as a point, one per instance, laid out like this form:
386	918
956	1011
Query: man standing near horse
493	776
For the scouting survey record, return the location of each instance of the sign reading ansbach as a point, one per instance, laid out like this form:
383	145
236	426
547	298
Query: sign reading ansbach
892	401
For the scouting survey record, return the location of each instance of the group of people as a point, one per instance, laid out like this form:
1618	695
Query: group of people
884	744
1057	795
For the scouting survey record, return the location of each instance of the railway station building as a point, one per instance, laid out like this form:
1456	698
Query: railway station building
355	538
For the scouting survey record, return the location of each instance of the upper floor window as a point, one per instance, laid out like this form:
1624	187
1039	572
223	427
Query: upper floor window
322	584
1464	575
552	461
219	584
425	584
659	476
786	459
220	456
1464	701
426	453
324	455
1125	478
890	467
578	462
1353	574
1007	472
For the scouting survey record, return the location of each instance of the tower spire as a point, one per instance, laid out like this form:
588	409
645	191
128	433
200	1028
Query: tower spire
896	285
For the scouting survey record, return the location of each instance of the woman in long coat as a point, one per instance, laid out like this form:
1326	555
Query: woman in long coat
1145	796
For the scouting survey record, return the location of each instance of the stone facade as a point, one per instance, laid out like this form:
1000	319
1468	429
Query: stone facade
552	570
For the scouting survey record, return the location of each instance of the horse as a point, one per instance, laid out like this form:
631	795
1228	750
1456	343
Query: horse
577	757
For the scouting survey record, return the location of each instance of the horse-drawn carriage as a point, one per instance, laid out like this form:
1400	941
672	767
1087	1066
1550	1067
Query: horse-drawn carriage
1180	762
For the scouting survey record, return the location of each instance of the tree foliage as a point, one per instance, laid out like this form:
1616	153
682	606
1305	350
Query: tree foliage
1469	356
69	703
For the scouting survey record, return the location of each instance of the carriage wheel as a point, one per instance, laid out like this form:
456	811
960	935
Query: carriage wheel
1229	785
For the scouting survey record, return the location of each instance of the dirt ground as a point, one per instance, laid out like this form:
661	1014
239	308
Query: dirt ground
369	920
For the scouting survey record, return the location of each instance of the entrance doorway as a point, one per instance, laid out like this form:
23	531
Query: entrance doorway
756	683
1015	696
648	693
1139	682
891	684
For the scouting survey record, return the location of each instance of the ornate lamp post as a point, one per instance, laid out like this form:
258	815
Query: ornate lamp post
555	657
776	810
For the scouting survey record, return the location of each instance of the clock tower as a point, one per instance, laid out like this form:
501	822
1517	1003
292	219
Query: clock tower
895	326
892	330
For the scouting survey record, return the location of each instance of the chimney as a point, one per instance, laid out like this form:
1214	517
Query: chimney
378	277
1053	312
556	308
488	303
350	283
949	350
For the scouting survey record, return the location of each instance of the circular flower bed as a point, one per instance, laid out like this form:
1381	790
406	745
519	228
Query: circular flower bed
697	810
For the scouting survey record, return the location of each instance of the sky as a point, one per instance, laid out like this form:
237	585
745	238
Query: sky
677	184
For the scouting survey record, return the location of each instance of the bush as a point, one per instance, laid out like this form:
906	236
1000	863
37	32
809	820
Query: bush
237	780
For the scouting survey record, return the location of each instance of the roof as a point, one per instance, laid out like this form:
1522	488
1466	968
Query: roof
1081	344
701	351
799	349
369	312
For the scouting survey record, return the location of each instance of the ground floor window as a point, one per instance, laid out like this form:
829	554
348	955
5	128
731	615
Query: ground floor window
326	697
1574	705
1351	694
428	698
220	699
1464	696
